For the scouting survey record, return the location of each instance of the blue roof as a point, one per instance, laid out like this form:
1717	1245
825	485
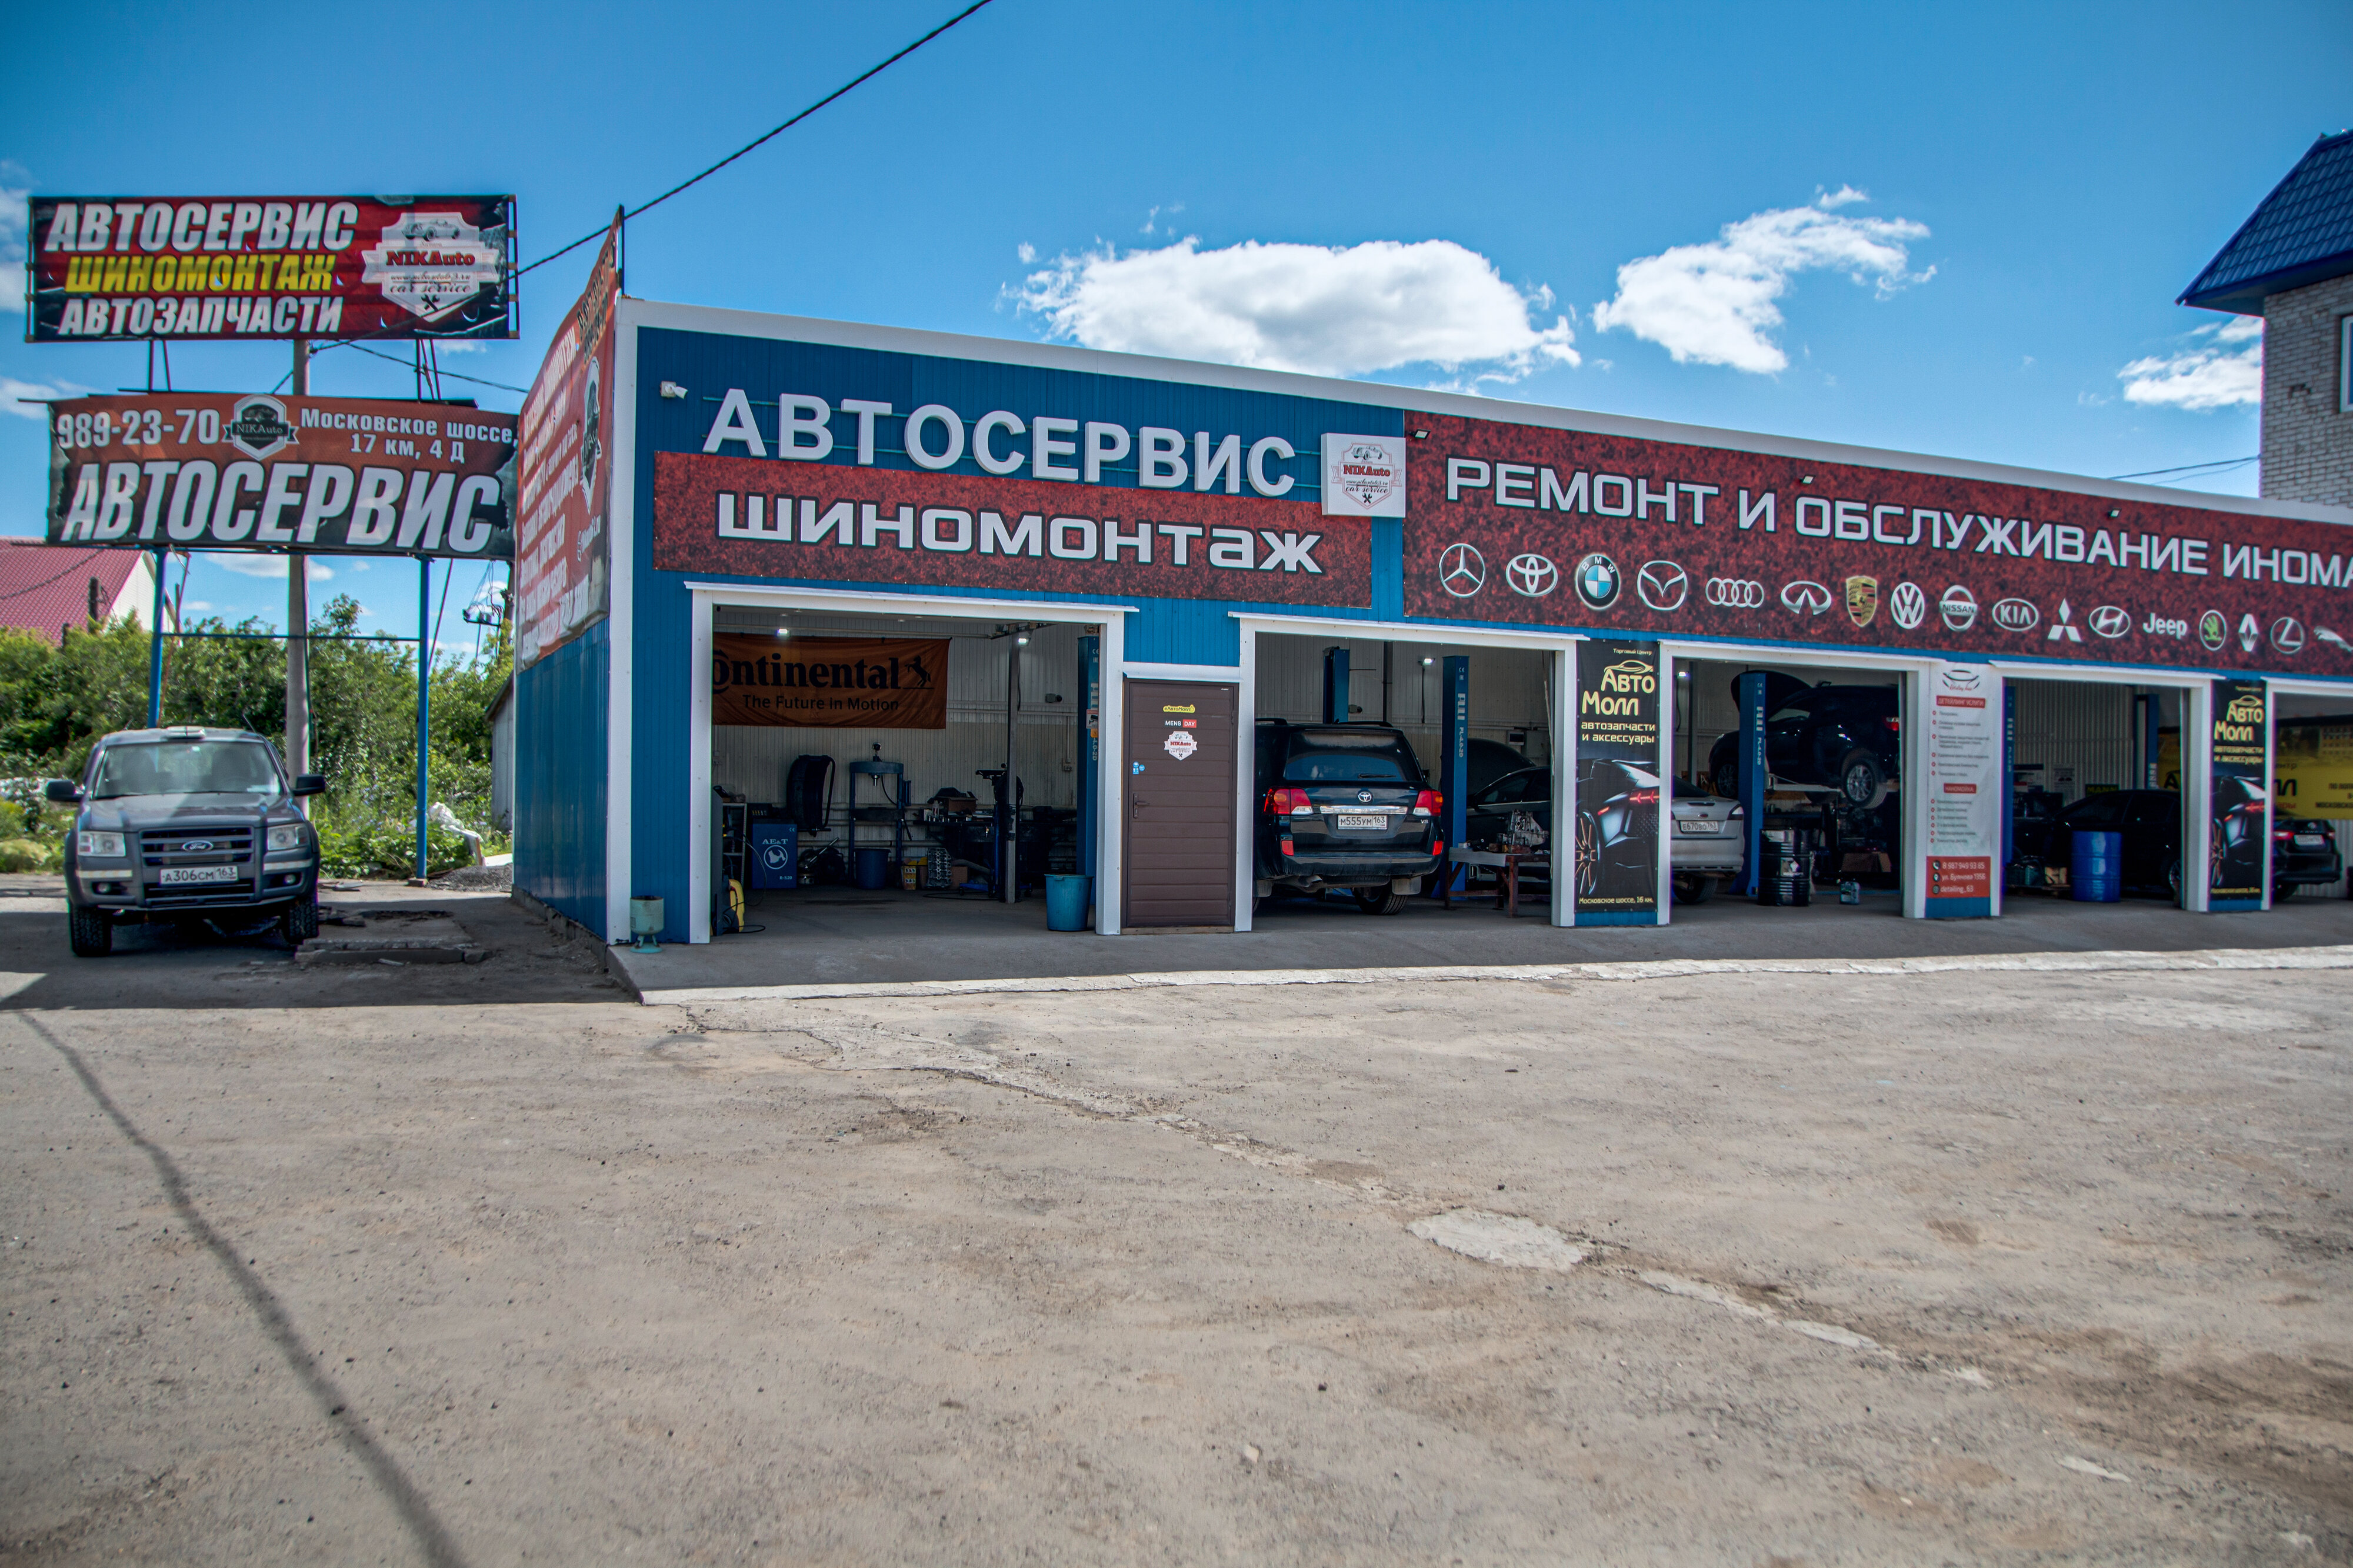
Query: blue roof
2301	234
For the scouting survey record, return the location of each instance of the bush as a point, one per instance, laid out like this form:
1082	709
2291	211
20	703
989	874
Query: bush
386	850
24	855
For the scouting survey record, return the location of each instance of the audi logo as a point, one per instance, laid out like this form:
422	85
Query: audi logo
1663	585
1531	574
2016	616
1461	571
1735	594
2109	621
1805	598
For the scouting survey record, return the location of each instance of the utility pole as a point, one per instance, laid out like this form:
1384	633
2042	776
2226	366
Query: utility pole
298	619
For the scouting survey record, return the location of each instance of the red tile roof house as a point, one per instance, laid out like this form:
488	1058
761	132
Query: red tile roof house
47	588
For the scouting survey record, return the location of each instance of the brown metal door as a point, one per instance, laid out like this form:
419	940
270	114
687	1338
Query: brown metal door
1178	865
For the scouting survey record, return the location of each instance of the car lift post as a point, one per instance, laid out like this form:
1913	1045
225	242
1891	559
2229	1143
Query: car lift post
1752	760
1457	766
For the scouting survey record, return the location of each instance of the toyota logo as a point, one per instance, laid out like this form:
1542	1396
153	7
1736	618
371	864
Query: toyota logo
1959	608
2016	616
1364	797
1461	571
1805	598
1597	580
1663	585
1736	593
2288	635
1532	576
195	845
1908	606
2109	621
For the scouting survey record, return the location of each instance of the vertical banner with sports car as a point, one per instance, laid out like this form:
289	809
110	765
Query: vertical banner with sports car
1619	801
1967	801
2241	801
563	533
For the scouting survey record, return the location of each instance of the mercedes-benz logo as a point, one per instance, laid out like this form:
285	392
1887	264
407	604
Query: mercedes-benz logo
1908	606
1663	585
1531	574
1736	593
1597	580
1959	607
1805	598
2288	635
1461	571
2109	621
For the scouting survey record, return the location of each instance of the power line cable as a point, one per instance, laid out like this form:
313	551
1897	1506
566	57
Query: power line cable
2217	464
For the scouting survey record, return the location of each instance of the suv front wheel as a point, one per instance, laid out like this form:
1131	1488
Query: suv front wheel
300	923
90	934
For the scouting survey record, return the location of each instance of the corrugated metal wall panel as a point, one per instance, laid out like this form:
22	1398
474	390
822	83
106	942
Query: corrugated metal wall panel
2082	726
1507	688
560	766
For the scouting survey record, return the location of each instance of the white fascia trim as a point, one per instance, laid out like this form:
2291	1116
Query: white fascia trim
2308	685
1736	652
1435	635
620	614
2100	674
1283	384
867	602
1184	671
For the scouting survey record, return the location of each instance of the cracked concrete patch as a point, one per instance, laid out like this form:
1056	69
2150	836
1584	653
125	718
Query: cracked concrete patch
1505	1240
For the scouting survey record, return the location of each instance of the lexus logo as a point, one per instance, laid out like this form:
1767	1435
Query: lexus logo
2288	635
1805	598
2109	621
1908	606
1735	594
195	845
2016	616
1959	608
1461	571
1597	580
1663	585
1531	574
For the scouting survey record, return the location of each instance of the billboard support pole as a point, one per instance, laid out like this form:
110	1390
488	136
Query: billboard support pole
155	649
298	620
424	696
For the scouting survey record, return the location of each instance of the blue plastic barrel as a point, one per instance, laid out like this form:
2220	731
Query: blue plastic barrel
1066	903
874	869
2097	871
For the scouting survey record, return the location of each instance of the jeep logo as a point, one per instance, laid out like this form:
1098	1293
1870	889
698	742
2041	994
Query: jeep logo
2158	627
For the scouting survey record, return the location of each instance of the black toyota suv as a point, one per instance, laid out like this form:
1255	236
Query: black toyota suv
1344	805
187	824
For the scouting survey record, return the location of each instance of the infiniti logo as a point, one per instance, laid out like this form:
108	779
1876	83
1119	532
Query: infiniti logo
1736	593
1803	598
2016	616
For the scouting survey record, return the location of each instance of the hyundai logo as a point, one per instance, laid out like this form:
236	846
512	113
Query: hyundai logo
1663	585
1461	571
2016	616
1959	608
1804	598
1532	576
195	845
1736	593
2109	621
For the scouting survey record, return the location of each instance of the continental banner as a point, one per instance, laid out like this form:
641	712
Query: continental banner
342	475
2241	842
846	683
1525	525
562	543
1619	800
245	268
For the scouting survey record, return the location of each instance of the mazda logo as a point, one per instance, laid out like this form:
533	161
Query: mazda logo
1908	606
1735	594
1663	585
195	845
1461	571
1597	580
2016	616
1804	598
2288	635
1959	608
1531	574
2109	621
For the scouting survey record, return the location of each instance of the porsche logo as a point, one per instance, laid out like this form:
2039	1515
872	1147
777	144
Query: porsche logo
1862	600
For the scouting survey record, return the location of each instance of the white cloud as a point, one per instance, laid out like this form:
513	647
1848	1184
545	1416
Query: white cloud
1713	303
255	563
1026	252
2223	371
1325	311
197	607
22	397
16	186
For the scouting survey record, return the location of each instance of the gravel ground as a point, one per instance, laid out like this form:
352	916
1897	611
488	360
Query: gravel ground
1797	1268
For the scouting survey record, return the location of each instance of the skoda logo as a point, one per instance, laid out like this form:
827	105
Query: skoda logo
2109	621
2288	635
1908	606
2213	630
1805	598
1531	574
1364	797
195	845
1597	580
1959	608
1663	585
2016	616
1461	571
1736	593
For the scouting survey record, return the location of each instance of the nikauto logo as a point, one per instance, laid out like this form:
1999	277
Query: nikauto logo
2159	625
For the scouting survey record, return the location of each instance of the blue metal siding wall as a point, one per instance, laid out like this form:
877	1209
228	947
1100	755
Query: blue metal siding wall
561	738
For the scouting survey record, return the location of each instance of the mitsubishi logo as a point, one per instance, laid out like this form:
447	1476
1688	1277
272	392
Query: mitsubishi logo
2065	629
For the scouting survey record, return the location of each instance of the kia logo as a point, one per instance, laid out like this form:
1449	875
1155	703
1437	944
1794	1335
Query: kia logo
2288	635
1805	598
1663	585
1531	574
1461	571
1735	594
2016	616
195	845
1908	606
2109	621
1959	608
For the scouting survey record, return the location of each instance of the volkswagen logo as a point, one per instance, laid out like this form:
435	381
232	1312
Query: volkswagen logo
1597	580
1736	593
195	845
1908	606
2109	621
1461	571
2016	616
1805	598
1959	608
1364	797
2288	635
1663	585
2213	630
1531	574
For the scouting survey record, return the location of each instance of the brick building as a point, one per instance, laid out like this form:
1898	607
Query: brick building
2291	264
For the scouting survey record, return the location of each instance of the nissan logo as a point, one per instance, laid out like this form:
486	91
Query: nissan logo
195	845
1959	608
2109	621
1735	594
2016	616
1663	585
1805	598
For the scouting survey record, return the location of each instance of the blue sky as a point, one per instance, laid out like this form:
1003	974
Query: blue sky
1951	231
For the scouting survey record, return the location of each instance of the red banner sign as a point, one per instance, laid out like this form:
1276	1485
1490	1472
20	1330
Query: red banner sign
1523	525
563	544
761	517
213	268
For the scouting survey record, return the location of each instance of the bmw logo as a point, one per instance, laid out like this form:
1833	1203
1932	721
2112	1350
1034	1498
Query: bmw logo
1597	580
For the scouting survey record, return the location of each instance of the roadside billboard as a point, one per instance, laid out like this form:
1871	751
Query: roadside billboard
563	537
216	268
343	476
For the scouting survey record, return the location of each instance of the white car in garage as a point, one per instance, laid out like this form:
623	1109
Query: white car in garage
1711	839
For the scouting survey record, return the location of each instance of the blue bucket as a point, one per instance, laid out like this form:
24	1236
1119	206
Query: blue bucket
1066	903
874	869
2097	871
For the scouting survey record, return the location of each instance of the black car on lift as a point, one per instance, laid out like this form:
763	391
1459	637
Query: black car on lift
1344	806
1846	737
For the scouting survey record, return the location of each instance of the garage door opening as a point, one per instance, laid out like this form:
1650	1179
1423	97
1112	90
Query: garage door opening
2099	814
2312	796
